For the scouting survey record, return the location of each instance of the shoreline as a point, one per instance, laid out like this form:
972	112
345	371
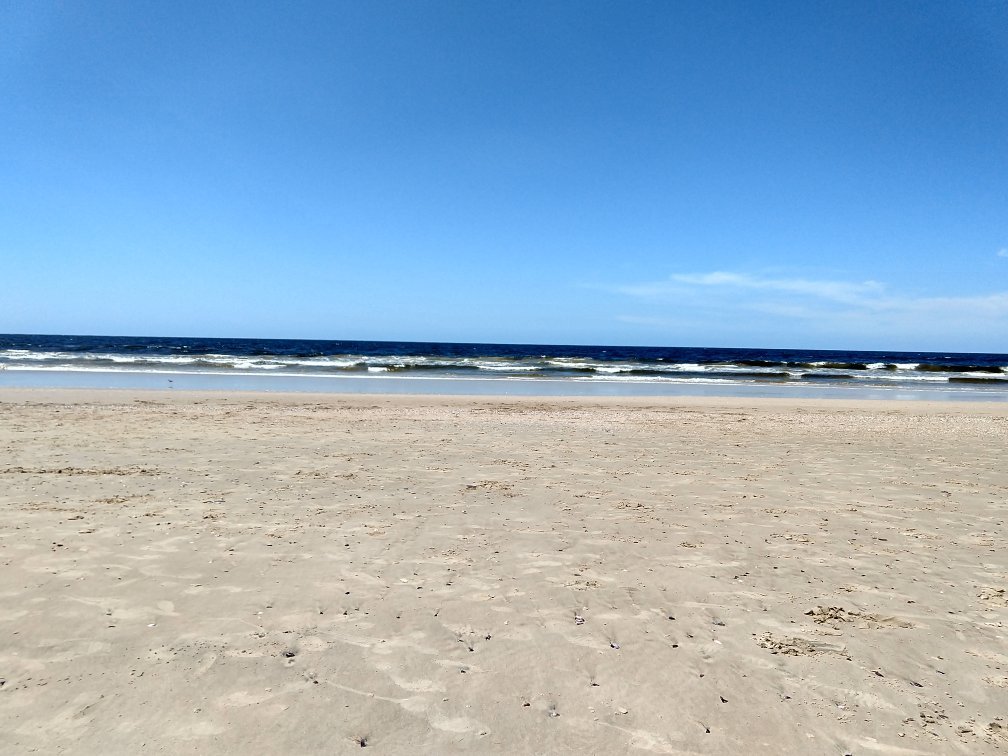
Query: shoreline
102	396
483	386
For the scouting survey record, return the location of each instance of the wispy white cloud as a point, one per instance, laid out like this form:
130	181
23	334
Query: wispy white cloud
846	292
837	291
782	304
794	294
1003	252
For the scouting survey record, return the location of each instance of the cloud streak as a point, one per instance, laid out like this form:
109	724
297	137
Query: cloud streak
836	291
781	306
785	292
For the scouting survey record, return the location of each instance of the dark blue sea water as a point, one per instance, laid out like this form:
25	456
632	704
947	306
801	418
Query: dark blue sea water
117	360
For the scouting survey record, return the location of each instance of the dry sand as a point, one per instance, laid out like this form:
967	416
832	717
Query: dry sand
308	574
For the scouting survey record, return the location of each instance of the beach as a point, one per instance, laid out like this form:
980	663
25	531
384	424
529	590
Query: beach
304	573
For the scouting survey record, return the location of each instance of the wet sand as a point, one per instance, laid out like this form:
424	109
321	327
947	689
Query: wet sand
186	572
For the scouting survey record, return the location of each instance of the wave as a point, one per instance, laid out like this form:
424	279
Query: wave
983	380
939	368
832	365
438	361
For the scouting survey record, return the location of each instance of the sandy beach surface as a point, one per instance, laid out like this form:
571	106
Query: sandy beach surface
220	573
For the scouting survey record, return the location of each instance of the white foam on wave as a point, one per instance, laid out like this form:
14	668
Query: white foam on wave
667	378
348	361
981	374
26	354
502	367
571	362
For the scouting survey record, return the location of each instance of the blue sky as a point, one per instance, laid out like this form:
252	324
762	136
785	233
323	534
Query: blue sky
784	174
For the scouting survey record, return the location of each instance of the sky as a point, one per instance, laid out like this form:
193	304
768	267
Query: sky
735	174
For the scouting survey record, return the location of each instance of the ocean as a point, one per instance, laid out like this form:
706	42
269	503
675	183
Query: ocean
528	369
